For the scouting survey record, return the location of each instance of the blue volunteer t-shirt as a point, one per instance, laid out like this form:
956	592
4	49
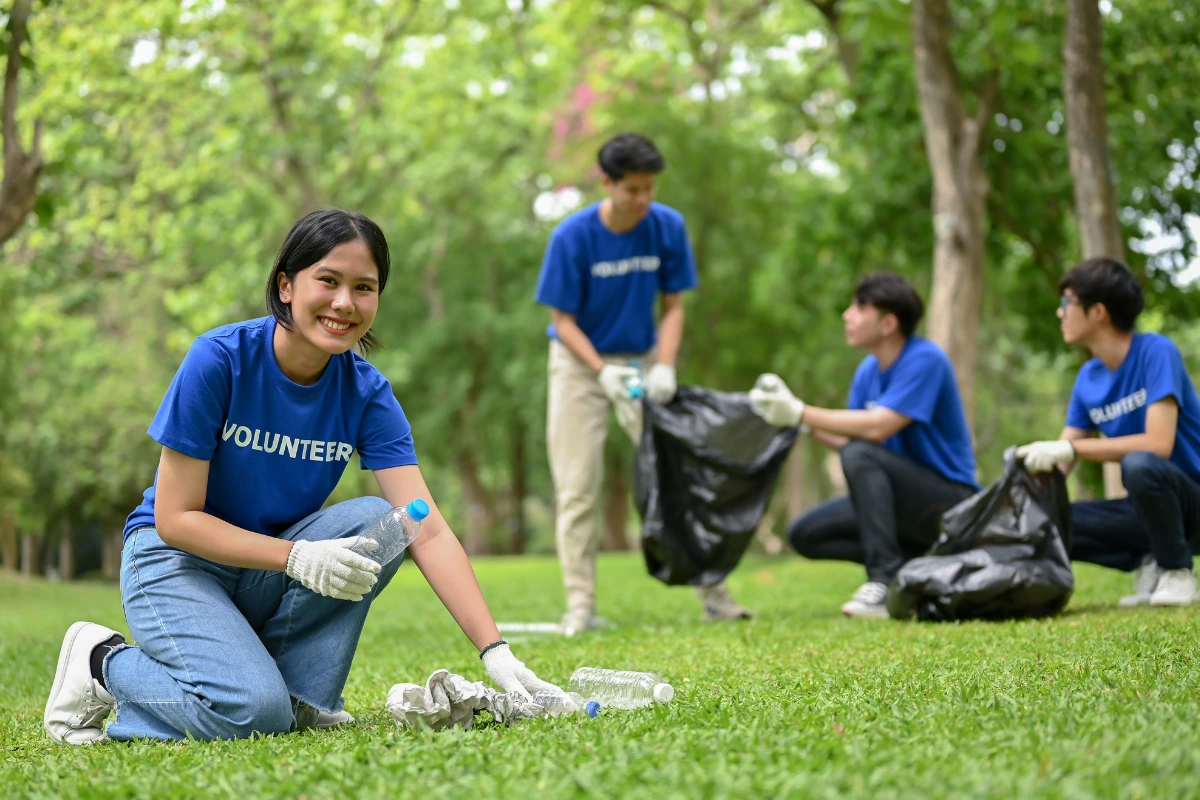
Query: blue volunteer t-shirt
610	281
276	449
920	385
1115	401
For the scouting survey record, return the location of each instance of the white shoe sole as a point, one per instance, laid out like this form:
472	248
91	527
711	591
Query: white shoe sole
872	614
60	673
1174	602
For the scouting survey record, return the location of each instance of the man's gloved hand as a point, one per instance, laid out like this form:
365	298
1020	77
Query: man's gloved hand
329	568
1045	456
660	384
511	675
775	403
612	378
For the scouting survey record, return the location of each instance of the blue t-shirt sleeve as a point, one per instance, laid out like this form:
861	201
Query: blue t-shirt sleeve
192	414
560	284
385	437
1165	371
1077	412
914	387
678	272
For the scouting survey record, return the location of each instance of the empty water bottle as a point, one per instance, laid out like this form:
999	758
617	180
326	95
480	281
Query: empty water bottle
615	688
393	533
558	703
633	384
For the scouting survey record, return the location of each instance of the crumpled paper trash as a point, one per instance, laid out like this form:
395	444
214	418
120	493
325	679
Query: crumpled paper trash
448	700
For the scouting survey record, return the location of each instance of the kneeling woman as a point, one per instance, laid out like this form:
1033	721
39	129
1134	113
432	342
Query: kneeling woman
241	591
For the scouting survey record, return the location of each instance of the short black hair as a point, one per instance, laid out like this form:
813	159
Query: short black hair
310	240
628	153
1108	281
891	294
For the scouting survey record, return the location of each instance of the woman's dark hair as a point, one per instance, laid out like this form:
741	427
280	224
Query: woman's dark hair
310	240
628	153
891	294
1108	281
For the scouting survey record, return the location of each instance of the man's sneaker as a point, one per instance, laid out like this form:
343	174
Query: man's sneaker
719	605
1176	587
310	717
78	704
1145	580
869	601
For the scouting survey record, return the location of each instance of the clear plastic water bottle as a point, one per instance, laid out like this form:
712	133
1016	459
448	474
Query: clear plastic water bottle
559	703
615	688
393	533
633	384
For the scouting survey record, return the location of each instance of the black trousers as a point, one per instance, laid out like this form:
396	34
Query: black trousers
1161	516
890	517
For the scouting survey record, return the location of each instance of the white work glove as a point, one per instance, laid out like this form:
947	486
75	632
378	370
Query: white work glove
1045	456
612	379
660	384
775	403
329	568
511	675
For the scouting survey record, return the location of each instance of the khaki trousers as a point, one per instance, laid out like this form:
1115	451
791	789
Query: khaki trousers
576	428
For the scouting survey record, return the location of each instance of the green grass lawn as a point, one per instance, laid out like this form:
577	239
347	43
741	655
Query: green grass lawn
798	703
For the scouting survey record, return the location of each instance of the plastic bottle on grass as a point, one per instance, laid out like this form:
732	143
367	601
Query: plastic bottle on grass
393	533
616	688
558	703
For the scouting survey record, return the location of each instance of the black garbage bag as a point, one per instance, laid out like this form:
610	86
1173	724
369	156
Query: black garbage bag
1001	554
706	467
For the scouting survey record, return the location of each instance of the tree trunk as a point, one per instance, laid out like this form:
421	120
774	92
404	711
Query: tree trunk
1087	133
481	511
31	554
110	556
518	468
10	549
960	191
1087	142
18	189
616	499
66	553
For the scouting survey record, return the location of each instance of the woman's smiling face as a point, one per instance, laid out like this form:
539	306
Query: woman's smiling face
335	300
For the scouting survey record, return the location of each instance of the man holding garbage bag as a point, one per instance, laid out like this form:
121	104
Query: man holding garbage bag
903	440
1137	392
601	276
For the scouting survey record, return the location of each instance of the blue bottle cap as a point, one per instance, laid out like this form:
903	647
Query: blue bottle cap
592	708
418	509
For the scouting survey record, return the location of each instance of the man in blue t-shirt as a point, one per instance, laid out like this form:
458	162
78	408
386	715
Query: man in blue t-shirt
903	439
604	269
1136	391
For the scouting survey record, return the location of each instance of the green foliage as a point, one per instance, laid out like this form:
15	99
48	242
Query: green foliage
183	139
798	703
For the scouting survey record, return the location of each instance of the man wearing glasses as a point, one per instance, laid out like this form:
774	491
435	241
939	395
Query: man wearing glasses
1136	391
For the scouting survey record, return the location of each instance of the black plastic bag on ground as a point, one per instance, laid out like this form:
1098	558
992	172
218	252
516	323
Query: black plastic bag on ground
1002	554
706	467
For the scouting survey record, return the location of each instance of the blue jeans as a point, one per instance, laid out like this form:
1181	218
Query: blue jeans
1161	516
221	650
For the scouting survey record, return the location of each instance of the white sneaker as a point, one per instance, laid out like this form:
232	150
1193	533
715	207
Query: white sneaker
1145	580
870	602
719	605
1176	587
311	717
78	704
